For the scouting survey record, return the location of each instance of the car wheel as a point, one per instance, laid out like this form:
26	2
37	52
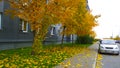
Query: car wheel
99	51
117	53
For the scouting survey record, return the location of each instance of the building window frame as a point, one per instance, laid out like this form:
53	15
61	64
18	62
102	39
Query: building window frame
0	21
53	30
24	26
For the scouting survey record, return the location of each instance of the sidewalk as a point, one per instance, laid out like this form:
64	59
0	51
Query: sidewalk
86	60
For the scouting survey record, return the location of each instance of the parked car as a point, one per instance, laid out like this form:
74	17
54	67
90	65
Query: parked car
117	41
108	46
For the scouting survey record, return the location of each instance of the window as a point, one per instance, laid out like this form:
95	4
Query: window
53	31
0	22
24	26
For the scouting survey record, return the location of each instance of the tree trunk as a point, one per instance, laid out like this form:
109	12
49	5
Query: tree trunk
72	39
63	35
37	44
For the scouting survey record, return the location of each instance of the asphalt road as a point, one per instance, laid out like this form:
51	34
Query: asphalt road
111	61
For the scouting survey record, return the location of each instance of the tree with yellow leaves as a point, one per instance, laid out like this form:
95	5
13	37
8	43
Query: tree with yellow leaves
85	20
80	22
40	14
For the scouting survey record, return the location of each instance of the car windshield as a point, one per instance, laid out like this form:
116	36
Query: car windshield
108	42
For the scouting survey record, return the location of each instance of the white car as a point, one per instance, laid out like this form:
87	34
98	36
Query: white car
108	46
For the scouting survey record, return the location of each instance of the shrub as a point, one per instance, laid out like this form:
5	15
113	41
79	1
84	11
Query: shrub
84	39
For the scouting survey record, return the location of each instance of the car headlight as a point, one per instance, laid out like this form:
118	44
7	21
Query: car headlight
101	47
116	47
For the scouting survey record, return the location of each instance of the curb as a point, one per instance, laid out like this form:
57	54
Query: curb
95	62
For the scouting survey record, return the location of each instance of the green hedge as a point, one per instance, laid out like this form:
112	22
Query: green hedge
84	39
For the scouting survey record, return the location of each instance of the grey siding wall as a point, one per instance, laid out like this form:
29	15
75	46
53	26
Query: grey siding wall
1	6
11	35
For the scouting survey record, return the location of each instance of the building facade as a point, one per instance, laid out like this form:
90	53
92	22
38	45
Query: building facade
14	32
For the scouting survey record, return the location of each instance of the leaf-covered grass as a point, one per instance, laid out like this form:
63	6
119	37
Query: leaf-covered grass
50	56
99	63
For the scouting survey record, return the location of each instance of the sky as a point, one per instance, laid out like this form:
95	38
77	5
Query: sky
109	22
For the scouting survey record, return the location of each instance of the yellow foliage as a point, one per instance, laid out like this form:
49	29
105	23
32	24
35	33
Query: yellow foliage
70	13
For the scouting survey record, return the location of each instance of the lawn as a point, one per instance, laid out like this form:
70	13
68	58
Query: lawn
50	56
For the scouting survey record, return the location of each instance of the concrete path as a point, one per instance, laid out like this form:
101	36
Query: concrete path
86	60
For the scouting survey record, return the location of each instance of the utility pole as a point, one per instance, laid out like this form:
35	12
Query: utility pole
112	35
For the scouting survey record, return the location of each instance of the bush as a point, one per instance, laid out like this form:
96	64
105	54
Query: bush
84	39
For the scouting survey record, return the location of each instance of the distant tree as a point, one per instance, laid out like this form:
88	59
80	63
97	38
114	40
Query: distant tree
81	22
117	37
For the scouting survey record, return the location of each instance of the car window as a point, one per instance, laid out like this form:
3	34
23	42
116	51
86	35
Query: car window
108	42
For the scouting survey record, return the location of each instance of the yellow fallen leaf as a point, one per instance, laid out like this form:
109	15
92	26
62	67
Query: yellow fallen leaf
35	67
7	65
78	65
1	66
1	61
